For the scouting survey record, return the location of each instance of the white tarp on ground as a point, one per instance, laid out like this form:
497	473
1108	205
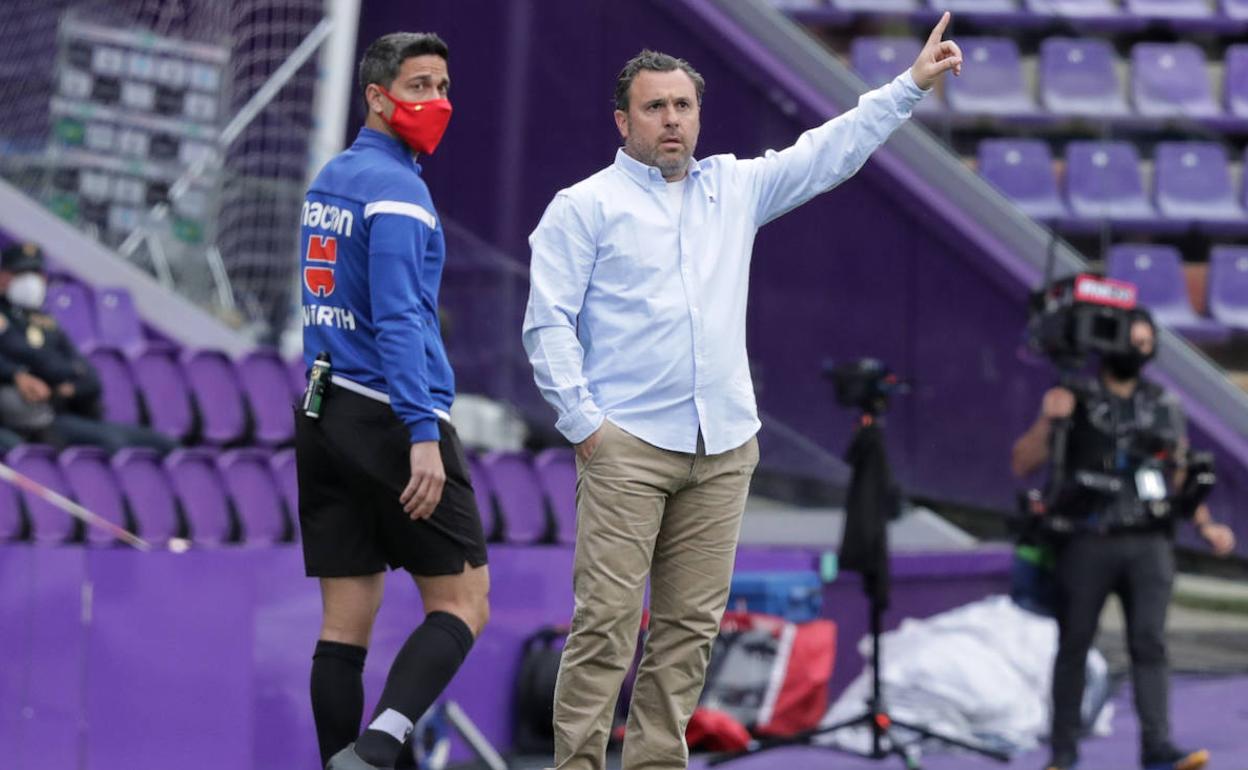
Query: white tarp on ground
980	672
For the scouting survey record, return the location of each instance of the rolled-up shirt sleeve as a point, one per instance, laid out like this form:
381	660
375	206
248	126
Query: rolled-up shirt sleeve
827	155
562	262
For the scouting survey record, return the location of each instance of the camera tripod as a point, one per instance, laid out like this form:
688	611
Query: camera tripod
867	452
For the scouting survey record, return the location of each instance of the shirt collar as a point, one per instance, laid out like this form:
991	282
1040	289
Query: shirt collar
647	175
371	137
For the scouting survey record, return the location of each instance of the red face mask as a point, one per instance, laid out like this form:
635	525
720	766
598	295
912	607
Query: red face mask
420	124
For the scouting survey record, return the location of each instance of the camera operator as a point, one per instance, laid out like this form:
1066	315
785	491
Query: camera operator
1122	434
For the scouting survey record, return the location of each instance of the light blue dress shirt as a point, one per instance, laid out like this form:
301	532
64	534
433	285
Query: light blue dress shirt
637	316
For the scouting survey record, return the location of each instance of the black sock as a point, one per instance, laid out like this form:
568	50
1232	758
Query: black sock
421	671
337	695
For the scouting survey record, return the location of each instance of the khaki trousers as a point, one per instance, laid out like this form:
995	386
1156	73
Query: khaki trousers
675	517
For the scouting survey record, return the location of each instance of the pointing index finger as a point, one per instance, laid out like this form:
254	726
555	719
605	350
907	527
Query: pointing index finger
939	30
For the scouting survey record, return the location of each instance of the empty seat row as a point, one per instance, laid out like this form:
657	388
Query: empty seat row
211	497
250	496
1192	183
1078	77
95	316
202	395
1128	10
525	499
1157	272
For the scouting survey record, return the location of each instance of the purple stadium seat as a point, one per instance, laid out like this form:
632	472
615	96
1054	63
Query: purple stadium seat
556	472
992	81
1228	286
785	5
73	307
876	6
1170	9
121	395
116	320
1074	8
94	486
975	6
1170	80
48	523
217	396
297	375
251	486
1235	9
1235	82
1157	272
266	386
519	496
12	522
1193	181
1078	77
166	396
201	491
1022	169
149	493
484	493
283	465
1103	182
878	60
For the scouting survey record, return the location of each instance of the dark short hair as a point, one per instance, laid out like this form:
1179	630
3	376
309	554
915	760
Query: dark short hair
384	58
1141	313
653	61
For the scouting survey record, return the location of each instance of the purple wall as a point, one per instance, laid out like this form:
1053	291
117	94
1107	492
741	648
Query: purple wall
115	658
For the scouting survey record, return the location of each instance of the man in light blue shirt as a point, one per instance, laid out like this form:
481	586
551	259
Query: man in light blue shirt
635	328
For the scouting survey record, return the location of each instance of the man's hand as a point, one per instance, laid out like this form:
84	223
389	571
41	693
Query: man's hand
1220	538
586	448
937	57
1058	404
424	489
1031	450
65	390
31	388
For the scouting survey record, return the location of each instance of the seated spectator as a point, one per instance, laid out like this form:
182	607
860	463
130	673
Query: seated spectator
49	392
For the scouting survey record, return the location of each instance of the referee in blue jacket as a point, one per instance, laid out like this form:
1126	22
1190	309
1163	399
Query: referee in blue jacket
382	476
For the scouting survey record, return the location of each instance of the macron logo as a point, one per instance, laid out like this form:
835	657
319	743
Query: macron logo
320	215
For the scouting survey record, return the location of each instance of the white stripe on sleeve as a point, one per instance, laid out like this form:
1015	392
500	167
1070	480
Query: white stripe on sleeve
413	210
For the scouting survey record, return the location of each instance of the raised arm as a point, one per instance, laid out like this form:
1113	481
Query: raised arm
827	155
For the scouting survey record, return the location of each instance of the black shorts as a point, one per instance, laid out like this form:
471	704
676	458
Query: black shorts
353	464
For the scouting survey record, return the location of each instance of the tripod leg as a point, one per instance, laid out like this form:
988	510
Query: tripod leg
986	751
865	718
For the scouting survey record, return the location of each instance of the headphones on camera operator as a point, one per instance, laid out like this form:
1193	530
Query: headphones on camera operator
1112	462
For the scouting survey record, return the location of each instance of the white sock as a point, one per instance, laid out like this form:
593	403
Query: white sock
392	723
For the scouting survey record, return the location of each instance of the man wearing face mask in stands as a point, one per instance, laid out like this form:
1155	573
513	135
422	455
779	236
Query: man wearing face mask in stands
49	392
